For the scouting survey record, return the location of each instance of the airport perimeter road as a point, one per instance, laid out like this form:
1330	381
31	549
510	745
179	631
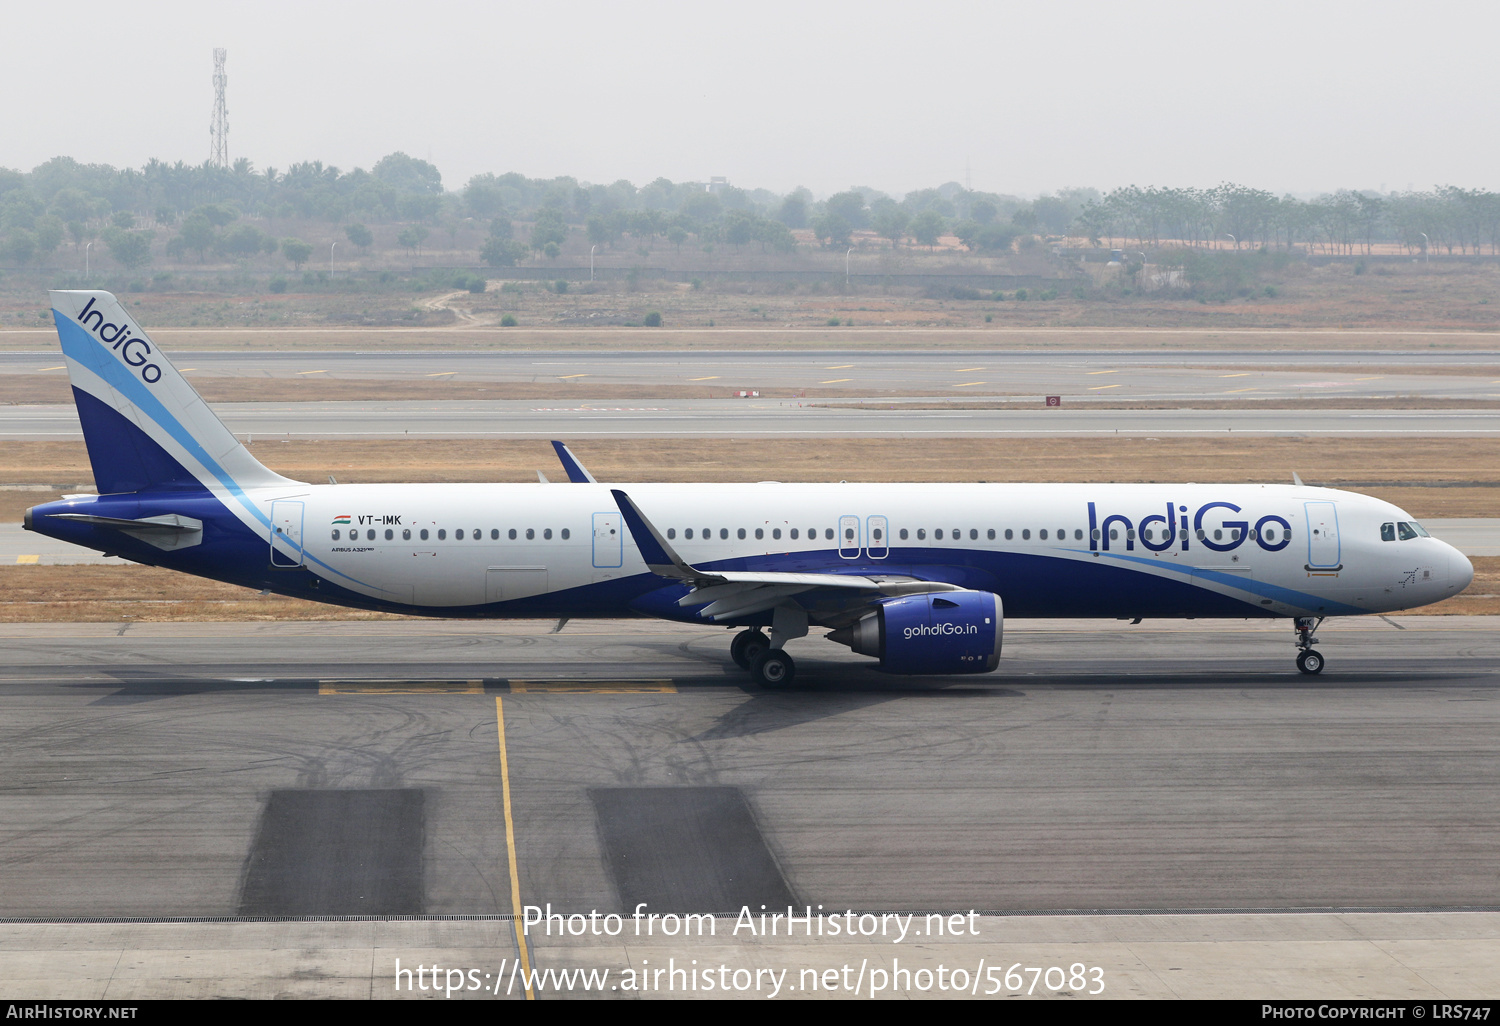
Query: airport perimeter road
168	769
1134	374
767	418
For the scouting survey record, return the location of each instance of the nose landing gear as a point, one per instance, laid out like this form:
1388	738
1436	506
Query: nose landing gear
1309	660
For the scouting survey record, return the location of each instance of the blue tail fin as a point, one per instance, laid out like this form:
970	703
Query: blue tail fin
145	427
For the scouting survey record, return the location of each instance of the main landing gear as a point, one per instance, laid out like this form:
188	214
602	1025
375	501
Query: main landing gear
769	667
1309	660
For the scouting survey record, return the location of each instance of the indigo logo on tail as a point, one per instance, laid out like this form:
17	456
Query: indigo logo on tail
133	349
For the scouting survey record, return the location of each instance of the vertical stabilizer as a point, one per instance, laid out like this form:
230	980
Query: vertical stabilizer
145	427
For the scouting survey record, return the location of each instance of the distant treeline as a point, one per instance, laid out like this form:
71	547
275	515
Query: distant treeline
197	210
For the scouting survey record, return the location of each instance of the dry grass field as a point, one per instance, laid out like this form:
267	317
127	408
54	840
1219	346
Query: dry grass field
1461	302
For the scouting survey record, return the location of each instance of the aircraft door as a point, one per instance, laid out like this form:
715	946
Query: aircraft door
1323	548
286	533
608	542
877	537
849	545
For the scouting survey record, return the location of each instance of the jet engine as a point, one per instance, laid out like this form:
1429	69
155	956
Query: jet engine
940	632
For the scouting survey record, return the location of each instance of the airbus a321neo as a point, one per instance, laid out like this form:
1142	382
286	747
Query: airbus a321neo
918	577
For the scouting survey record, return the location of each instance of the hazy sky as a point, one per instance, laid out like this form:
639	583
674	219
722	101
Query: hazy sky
1302	97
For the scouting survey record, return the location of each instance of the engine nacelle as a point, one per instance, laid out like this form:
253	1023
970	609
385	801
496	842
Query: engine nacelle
938	632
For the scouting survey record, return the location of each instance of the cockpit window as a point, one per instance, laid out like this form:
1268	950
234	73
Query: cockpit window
1406	531
1420	529
1387	532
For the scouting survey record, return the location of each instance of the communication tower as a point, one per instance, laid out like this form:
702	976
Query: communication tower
218	154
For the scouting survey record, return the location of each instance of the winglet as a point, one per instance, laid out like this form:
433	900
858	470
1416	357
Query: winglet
576	472
653	547
1296	478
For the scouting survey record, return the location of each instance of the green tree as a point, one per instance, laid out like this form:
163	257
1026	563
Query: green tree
832	229
296	251
130	250
407	174
122	219
500	252
49	234
890	223
793	212
19	246
411	238
197	233
244	240
926	227
849	205
359	235
549	227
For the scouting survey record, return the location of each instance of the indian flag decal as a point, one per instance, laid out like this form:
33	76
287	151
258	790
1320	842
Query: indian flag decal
342	518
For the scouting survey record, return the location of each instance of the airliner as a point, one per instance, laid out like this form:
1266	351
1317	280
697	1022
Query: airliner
919	577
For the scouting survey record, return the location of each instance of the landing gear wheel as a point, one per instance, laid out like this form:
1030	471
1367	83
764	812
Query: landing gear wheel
746	646
1310	661
773	668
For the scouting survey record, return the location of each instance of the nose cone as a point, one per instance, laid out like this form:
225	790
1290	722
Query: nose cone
1460	570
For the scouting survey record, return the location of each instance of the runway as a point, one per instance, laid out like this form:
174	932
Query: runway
212	771
1138	374
763	418
1104	766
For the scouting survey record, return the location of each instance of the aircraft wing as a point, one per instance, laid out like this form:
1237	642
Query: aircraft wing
730	593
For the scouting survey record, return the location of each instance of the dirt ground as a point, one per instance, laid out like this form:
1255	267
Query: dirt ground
1459	301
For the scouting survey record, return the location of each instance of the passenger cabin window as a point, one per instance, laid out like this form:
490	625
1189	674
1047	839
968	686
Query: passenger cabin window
424	534
565	534
1026	534
530	533
510	534
406	534
760	533
547	534
494	534
1271	534
389	534
921	534
794	534
877	534
775	532
973	534
724	533
442	534
828	533
336	533
370	534
903	534
458	535
671	532
1009	534
992	534
938	534
1078	534
688	534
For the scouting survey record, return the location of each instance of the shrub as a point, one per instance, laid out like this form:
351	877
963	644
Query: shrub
833	322
652	320
1022	295
559	286
507	321
278	285
1048	294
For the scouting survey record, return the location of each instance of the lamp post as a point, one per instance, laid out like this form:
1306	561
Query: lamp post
1233	240
1426	249
86	261
846	266
591	260
330	256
